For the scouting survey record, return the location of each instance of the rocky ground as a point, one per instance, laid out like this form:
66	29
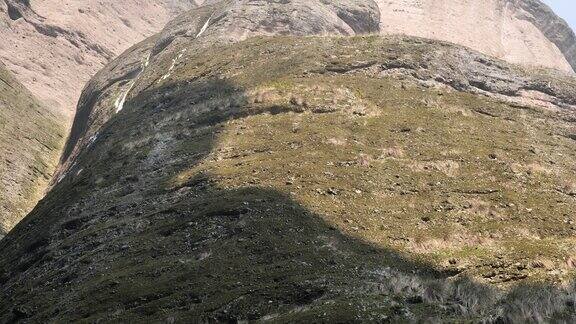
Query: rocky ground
292	179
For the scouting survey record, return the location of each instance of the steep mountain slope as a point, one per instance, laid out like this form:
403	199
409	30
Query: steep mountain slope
31	139
540	37
54	47
304	179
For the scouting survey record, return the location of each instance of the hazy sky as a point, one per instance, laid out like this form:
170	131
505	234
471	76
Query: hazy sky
565	9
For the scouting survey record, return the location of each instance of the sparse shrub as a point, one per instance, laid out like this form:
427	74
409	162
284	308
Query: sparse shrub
435	292
478	303
364	160
532	304
471	297
298	101
394	152
569	188
448	167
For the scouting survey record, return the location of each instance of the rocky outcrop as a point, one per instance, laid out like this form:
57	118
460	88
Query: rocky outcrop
31	138
53	48
554	28
232	21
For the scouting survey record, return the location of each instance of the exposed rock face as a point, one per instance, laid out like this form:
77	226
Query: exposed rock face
31	139
232	21
54	47
555	29
519	31
303	179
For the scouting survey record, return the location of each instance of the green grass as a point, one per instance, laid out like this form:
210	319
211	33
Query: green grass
261	181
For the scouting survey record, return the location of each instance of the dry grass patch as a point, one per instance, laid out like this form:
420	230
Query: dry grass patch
451	241
477	206
264	96
568	187
394	152
448	167
337	141
533	168
543	263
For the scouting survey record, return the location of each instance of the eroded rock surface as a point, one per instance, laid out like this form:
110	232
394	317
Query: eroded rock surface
54	47
519	31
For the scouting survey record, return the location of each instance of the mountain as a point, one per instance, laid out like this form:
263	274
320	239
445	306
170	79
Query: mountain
54	47
519	31
251	163
32	138
51	46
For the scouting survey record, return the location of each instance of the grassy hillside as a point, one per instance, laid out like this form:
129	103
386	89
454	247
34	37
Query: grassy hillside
312	179
31	138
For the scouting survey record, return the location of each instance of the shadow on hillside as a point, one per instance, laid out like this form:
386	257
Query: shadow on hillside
199	252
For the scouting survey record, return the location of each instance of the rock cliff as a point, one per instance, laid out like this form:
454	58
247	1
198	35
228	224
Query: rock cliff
54	47
519	31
